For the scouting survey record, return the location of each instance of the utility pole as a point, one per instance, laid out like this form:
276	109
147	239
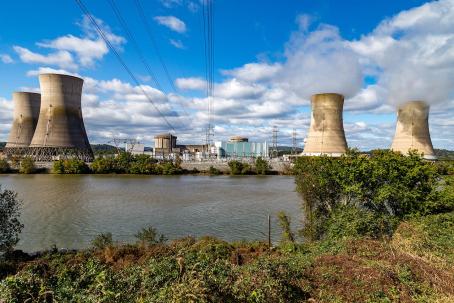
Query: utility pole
274	151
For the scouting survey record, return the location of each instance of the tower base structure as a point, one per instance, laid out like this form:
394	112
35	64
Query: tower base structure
47	153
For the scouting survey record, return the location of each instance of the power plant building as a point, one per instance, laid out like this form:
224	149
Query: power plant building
60	131
239	147
25	118
412	130
326	133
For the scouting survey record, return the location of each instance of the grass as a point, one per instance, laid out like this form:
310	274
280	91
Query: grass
415	265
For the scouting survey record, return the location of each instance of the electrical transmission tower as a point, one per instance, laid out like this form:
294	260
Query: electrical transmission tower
129	144
294	144
274	151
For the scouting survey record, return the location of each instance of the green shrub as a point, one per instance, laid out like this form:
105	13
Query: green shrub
58	167
213	171
261	166
75	166
27	166
284	223
102	241
385	183
10	227
236	167
104	165
4	166
149	236
168	168
143	164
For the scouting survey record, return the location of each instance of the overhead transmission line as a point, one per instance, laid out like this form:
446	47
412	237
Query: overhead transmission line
207	14
122	62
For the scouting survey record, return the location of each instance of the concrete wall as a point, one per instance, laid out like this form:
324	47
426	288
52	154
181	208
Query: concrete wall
412	129
326	133
60	122
25	118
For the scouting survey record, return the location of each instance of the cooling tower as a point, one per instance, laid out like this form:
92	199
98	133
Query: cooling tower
60	131
25	117
326	133
412	130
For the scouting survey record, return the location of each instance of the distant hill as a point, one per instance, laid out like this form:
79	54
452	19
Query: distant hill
444	154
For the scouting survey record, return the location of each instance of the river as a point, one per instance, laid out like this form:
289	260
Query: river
70	210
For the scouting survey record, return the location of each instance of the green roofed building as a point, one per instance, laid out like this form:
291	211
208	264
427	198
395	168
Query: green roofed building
238	147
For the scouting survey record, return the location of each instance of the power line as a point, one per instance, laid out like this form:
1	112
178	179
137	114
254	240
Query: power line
207	12
134	43
153	42
123	64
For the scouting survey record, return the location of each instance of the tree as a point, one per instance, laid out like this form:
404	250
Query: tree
149	236
384	183
236	167
58	167
10	227
261	166
27	166
4	166
102	241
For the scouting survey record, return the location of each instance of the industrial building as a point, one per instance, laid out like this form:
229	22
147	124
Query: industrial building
326	133
60	131
240	147
412	130
25	118
164	145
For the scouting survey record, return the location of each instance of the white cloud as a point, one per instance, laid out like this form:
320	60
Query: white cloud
5	58
319	62
171	3
63	59
87	50
177	43
171	22
191	83
414	53
253	72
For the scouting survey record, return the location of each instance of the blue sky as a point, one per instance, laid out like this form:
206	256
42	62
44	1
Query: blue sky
264	71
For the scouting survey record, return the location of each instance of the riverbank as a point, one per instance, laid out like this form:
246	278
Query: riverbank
415	264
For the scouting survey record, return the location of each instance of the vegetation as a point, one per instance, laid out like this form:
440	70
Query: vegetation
213	171
126	163
4	166
27	166
10	227
149	236
70	166
384	185
102	241
261	167
414	265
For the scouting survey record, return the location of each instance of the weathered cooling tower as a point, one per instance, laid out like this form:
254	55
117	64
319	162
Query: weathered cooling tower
412	129
25	117
60	131
326	133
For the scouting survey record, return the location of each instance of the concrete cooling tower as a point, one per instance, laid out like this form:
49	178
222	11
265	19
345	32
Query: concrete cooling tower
25	117
326	133
412	130
60	131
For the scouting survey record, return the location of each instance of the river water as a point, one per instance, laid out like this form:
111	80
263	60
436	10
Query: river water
69	211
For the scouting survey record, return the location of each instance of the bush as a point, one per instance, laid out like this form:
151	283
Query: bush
143	164
284	223
261	166
70	166
168	168
10	227
27	166
102	241
4	166
149	236
386	183
213	171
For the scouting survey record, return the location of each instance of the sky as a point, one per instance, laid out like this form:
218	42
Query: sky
269	57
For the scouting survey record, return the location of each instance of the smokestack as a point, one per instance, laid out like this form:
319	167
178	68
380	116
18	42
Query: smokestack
326	133
25	117
412	130
60	131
